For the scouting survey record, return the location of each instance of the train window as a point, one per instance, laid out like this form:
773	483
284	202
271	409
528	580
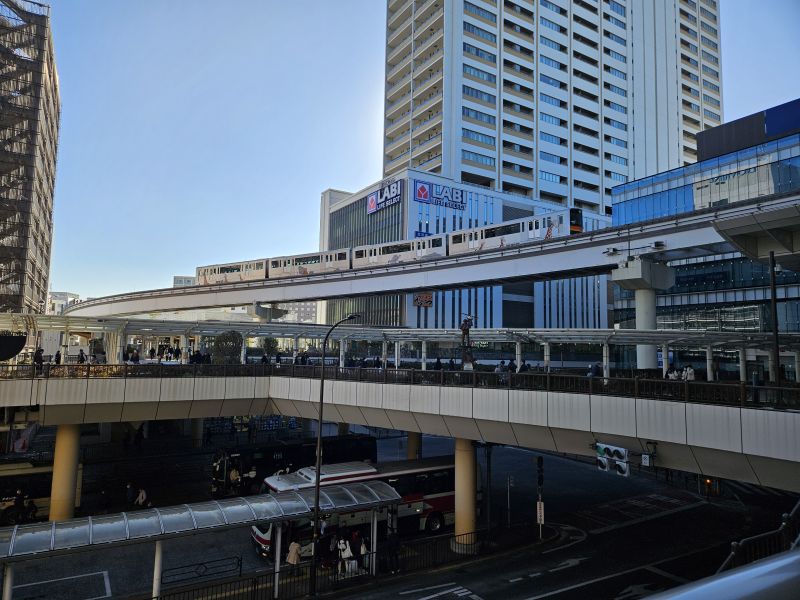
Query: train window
560	219
458	239
536	223
436	243
359	254
396	248
308	260
341	256
501	230
260	265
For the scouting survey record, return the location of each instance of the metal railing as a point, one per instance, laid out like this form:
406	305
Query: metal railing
722	393
765	544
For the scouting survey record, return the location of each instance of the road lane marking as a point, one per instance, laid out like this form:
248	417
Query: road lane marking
106	583
458	588
663	513
425	589
515	580
663	573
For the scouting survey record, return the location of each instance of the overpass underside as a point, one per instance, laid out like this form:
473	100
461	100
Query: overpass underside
757	445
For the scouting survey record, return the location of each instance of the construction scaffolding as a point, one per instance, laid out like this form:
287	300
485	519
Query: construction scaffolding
30	109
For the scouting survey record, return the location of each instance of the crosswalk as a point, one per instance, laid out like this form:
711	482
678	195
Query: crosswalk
748	489
442	591
630	511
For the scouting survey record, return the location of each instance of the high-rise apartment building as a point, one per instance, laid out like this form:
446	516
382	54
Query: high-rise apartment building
549	99
30	109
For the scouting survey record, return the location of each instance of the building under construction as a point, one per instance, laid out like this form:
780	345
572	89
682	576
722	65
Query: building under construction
30	109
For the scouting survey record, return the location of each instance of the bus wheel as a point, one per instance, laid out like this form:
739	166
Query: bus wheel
434	523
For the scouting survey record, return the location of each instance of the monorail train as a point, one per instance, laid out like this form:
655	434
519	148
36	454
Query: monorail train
464	241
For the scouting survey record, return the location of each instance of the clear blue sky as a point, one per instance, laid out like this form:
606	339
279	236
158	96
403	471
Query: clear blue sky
196	132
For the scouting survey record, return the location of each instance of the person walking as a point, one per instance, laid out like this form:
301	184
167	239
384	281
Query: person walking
19	506
465	326
81	357
688	373
293	557
393	551
141	498
57	357
38	360
437	366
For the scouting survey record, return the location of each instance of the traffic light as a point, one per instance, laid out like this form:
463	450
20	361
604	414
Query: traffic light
612	458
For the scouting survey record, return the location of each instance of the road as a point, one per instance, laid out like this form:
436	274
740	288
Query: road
623	538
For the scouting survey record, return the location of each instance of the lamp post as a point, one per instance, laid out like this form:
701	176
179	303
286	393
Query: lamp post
312	582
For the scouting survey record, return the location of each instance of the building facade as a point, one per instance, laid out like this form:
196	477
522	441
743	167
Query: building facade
550	100
184	281
58	301
29	125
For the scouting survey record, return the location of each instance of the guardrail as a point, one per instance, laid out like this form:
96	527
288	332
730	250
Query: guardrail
729	394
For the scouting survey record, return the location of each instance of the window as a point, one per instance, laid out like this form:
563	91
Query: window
479	73
693	105
690	90
549	99
549	119
615	124
689	75
553	158
546	60
478	158
477	115
690	60
711	114
552	177
554	7
616	141
710	86
549	137
711	100
614	37
616	176
550	25
615	72
710	57
708	14
709	71
478	94
551	81
689	46
479	12
691	18
615	89
551	44
616	7
614	20
481	33
616	159
709	42
708	28
613	54
478	137
711	3
688	31
615	106
475	51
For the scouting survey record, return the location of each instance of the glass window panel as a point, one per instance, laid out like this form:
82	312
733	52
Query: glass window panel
308	497
362	493
5	540
178	518
207	514
383	490
33	538
292	504
265	507
237	510
764	180
108	529
339	496
143	524
71	534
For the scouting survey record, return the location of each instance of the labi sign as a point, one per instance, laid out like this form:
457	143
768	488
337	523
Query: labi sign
390	193
439	195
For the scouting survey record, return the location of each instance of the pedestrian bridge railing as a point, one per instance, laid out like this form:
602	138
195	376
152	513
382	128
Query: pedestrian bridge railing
722	393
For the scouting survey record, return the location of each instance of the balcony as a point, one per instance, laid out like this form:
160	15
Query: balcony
397	125
432	143
398	88
393	109
400	48
431	103
425	9
423	87
432	40
404	12
428	163
397	143
431	61
400	159
399	70
396	37
432	120
434	21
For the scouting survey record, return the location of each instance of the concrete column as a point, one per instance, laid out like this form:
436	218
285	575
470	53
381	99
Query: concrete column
123	345
547	356
8	581
157	571
466	489
709	364
184	345
518	355
198	433
384	353
397	355
665	359
414	445
65	472
424	355
276	556
243	356
645	300
65	346
295	346
342	352
743	364
606	361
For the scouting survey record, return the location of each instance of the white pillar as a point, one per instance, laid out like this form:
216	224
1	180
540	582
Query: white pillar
547	356
743	364
8	581
665	359
342	351
243	357
184	345
397	355
276	556
424	355
709	364
295	346
606	361
123	345
157	571
646	354
384	353
518	355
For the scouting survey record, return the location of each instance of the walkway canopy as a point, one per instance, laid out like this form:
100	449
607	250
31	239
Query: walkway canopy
40	540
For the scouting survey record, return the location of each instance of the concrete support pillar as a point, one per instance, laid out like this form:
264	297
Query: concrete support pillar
198	433
665	359
342	352
709	364
276	556
414	445
466	489
8	581
518	355
606	361
424	355
122	347
547	356
742	364
645	300
296	347
184	346
65	472
65	346
397	355
384	353
243	357
157	562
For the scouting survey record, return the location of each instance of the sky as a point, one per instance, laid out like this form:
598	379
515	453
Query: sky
196	132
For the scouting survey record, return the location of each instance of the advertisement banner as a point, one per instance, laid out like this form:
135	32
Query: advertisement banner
390	193
439	195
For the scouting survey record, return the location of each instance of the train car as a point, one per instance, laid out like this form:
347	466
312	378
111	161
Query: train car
393	253
518	231
309	264
232	272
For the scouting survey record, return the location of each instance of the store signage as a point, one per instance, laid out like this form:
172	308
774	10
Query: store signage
423	299
439	195
421	234
391	192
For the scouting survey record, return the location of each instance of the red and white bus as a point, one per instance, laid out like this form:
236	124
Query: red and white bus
426	486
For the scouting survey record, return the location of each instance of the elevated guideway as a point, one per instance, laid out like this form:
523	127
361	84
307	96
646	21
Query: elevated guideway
672	238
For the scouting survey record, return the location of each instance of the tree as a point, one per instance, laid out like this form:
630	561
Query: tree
270	346
227	348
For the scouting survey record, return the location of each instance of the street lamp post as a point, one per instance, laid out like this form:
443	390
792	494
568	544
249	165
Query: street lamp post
312	582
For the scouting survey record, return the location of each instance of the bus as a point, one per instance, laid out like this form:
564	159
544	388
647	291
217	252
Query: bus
250	466
35	483
426	487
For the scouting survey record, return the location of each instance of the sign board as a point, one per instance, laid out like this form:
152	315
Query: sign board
423	299
391	192
439	195
421	234
645	460
540	512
